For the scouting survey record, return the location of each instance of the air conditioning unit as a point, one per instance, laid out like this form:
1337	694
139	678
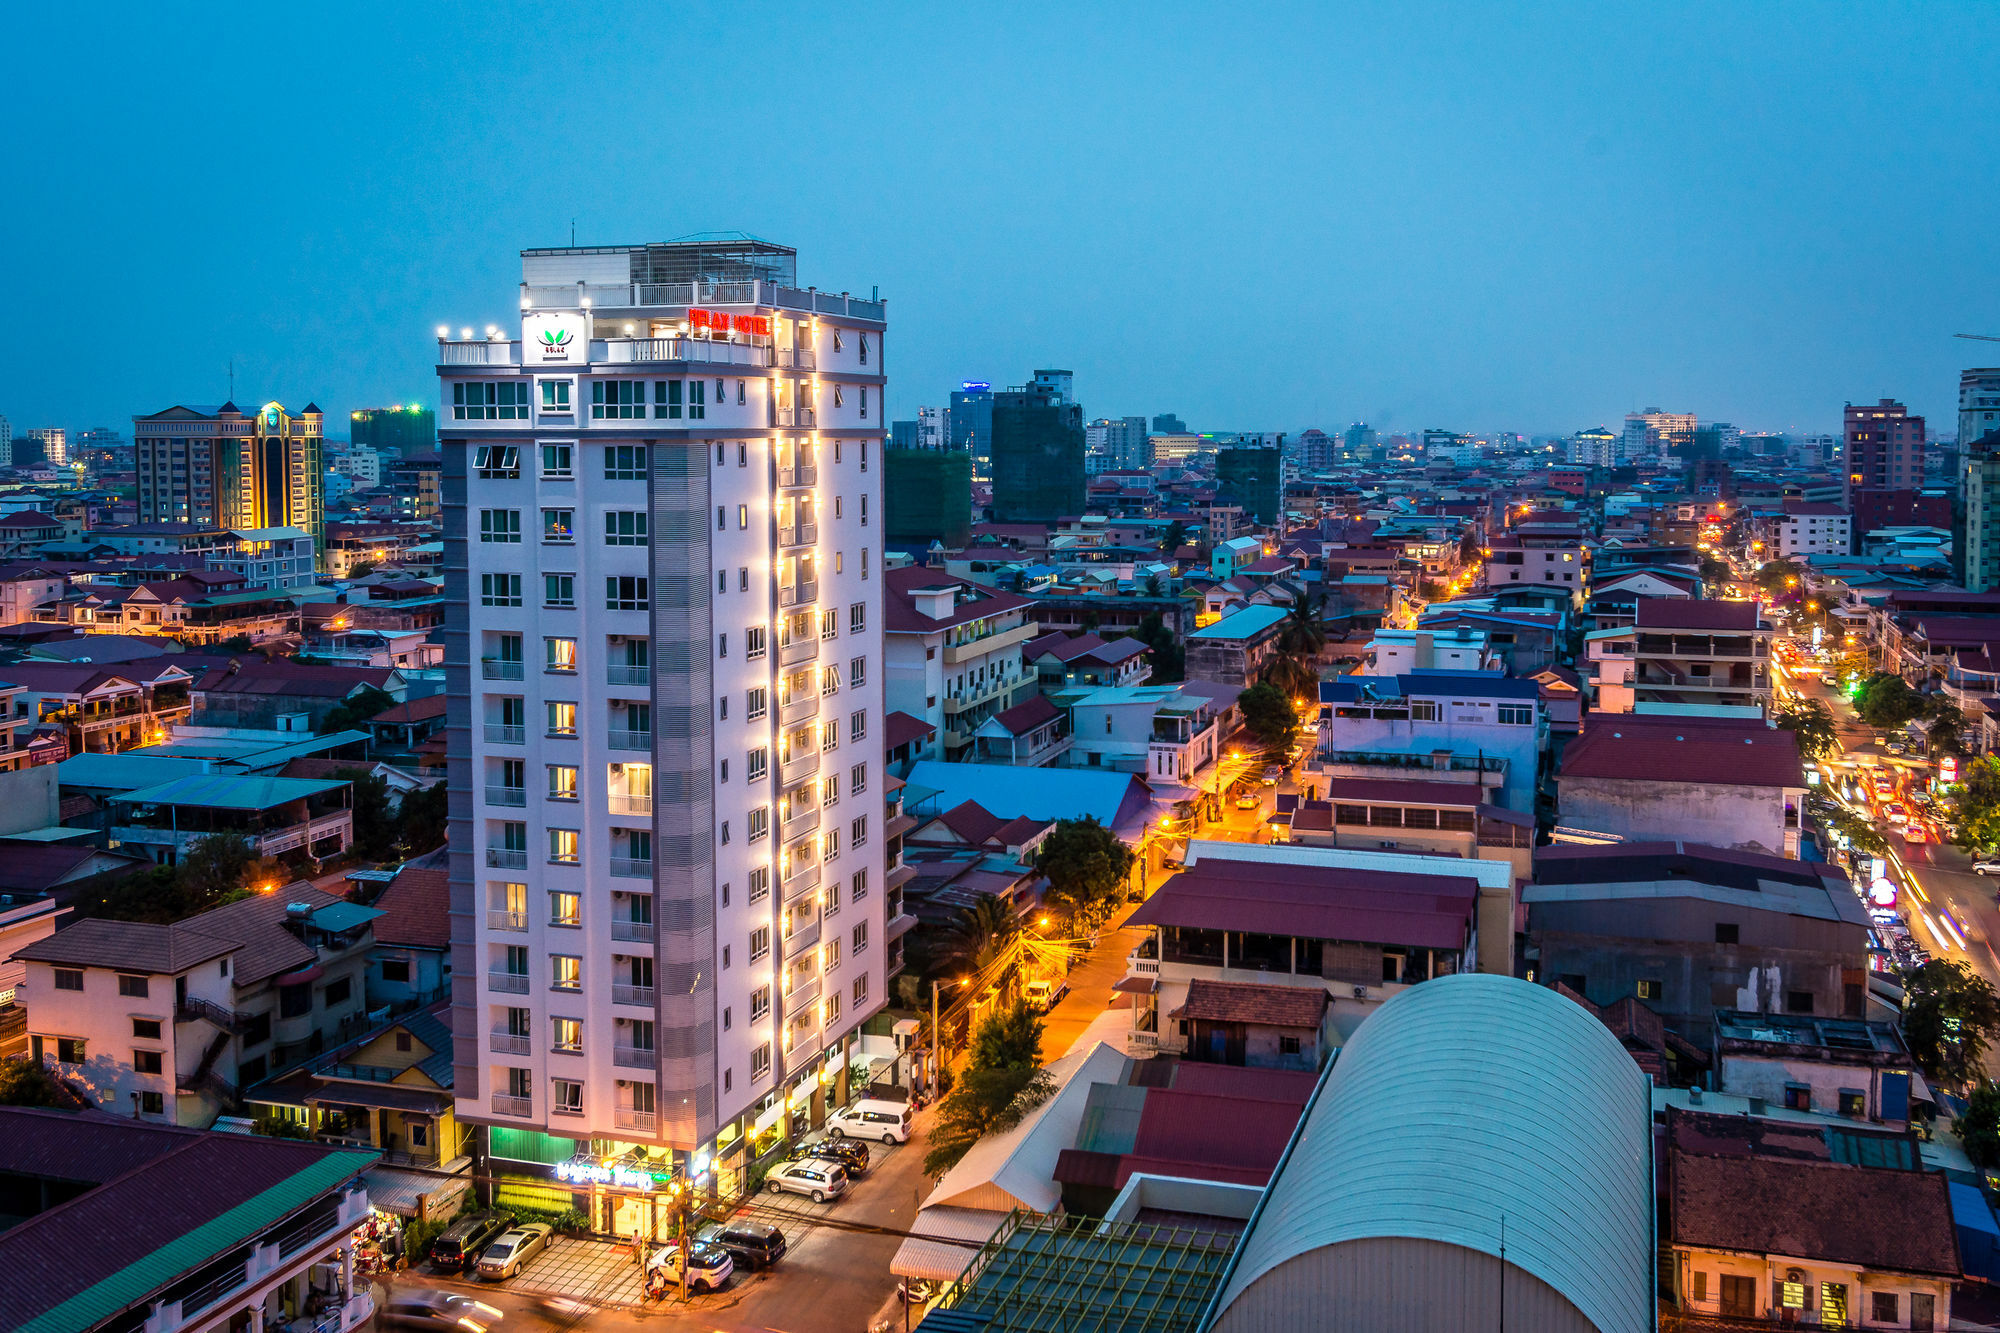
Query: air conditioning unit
1360	992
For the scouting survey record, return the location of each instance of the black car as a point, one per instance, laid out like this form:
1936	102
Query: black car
852	1155
458	1247
751	1244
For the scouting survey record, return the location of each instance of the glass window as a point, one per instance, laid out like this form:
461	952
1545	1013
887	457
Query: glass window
624	527
558	461
760	942
562	717
558	526
497	462
565	909
697	403
558	590
625	462
499	589
69	978
555	396
500	525
561	654
615	399
624	593
759	763
562	782
667	398
132	986
563	845
753	642
760	1002
756	703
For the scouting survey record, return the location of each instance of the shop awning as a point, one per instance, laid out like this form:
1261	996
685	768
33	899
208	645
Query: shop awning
1137	985
944	1241
382	1096
395	1191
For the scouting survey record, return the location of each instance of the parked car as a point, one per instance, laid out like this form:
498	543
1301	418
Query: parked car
1248	799
852	1155
709	1268
1269	777
1989	866
1044	995
752	1245
871	1118
817	1180
505	1257
458	1247
417	1307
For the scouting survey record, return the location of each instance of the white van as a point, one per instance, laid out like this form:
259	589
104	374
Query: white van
869	1119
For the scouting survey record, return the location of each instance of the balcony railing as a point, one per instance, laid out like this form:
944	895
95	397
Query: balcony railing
802	709
501	858
487	352
624	1119
802	474
635	1057
507	983
801	417
496	734
639	995
795	358
638	351
803	879
801	820
801	939
505	1105
798	768
506	796
494	668
625	867
512	1043
624	673
499	920
799	534
629	805
620	739
636	932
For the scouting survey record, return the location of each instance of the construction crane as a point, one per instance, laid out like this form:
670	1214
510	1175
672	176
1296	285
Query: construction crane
1978	337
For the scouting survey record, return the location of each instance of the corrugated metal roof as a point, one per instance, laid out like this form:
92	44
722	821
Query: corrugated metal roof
228	791
1440	1117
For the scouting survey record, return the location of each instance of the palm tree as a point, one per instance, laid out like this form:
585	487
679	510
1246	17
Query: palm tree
982	932
1304	634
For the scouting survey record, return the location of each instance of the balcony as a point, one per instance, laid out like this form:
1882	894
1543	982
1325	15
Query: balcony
803	879
485	352
798	594
802	709
799	534
502	858
624	673
629	805
967	700
796	358
803	819
512	921
507	983
497	734
493	668
512	1043
802	418
625	867
619	739
518	1106
998	641
653	351
632	932
803	474
798	650
640	1120
801	994
900	925
801	939
641	996
635	1057
797	769
516	796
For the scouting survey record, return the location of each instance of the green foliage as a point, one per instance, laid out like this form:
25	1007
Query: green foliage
1944	726
998	1086
26	1082
1887	701
417	1238
1978	1128
1168	658
216	869
1715	572
1087	867
1781	578
1950	1014
1860	833
1468	548
422	816
1811	722
376	829
1268	716
982	933
1976	797
909	992
1176	537
358	709
212	866
1153	588
1303	635
276	1127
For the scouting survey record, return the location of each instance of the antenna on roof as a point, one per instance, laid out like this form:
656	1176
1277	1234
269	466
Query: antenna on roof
232	380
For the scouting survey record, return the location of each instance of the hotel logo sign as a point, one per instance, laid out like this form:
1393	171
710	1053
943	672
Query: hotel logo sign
552	337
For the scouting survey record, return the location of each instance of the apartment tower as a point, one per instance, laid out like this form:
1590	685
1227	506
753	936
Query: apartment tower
662	510
228	468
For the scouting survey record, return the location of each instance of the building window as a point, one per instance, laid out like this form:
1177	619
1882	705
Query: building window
757	763
857	725
1423	710
857	779
1649	990
1516	716
146	1029
625	462
69	978
499	589
857	617
1288	1046
396	971
337	992
832	1008
558	527
760	1061
760	942
698	399
558	590
145	1062
742	517
563	846
753	643
860	941
760	1003
1726	932
756	702
832	848
1798	1097
1798	1002
565	908
497	462
70	1050
857	832
131	985
558	462
565	1096
561	655
667	400
860	989
500	525
155	1103
555	397
760	884
617	399
857	887
486	401
829	625
857	673
624	527
760	822
625	593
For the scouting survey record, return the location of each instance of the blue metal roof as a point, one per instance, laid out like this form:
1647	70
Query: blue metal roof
1247	623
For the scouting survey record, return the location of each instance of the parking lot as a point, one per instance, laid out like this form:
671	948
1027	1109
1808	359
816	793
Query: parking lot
834	1276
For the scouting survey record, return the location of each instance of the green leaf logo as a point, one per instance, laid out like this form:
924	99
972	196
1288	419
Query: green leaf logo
556	337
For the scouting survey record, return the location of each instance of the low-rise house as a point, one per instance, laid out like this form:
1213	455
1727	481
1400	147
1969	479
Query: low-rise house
350	546
249	693
412	959
103	710
1168	733
1690	930
1238	648
277	816
1792	1225
1393	652
1833	1066
1356	927
951	653
1717	781
169	1022
1450	726
1063	661
269	558
1554	553
1029	734
399	729
1681	651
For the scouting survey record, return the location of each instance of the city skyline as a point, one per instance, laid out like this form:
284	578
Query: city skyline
1601	230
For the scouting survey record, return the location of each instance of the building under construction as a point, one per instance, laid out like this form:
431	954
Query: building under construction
1038	447
928	496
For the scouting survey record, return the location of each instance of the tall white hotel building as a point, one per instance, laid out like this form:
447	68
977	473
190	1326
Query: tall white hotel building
663	520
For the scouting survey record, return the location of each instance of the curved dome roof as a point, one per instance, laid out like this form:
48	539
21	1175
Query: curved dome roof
1462	1100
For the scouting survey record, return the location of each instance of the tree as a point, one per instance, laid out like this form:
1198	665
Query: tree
1303	634
1468	547
1715	572
1861	834
982	932
1978	1126
1293	677
26	1082
1268	716
1976	797
375	828
356	709
1811	722
1087	866
1781	578
1169	659
1950	1014
1176	538
423	815
215	866
1153	588
999	1085
1887	701
1944	726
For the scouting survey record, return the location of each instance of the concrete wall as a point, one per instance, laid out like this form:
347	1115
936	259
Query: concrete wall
1749	818
28	799
1754	1076
1695	979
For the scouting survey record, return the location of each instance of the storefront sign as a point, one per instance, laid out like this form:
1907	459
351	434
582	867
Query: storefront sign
552	337
1948	767
718	321
618	1177
1882	893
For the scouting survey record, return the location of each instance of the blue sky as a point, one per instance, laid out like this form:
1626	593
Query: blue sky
1506	216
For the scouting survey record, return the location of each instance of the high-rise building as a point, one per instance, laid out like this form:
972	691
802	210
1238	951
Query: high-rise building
6	443
232	469
101	449
1170	423
1251	475
971	424
396	430
1976	516
54	444
1316	451
663	521
1360	437
1978	404
1882	447
903	434
1595	446
933	427
1175	448
1038	472
1654	434
928	496
1114	444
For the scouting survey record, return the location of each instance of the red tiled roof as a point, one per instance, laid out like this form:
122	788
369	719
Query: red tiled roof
1683	749
1017	831
416	910
971	821
899	729
1241	1002
1025	717
1684	613
417	710
1316	902
899	608
1404	792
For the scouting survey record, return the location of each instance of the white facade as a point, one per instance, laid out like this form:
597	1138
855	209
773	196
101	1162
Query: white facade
663	515
957	662
361	465
270	558
1821	531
